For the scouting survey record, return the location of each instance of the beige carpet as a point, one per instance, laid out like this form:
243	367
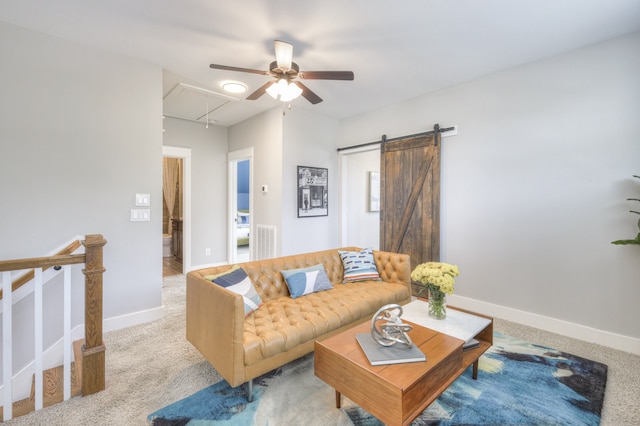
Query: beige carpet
152	365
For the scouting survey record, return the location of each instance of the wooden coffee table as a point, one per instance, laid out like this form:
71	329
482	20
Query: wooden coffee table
396	394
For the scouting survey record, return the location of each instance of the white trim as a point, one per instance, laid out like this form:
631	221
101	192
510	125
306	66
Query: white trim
185	154
233	158
129	320
209	265
232	206
38	345
344	185
66	371
53	355
553	325
7	352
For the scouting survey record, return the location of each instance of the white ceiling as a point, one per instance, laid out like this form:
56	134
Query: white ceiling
397	49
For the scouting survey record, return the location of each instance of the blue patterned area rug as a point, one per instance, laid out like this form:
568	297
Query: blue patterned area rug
519	383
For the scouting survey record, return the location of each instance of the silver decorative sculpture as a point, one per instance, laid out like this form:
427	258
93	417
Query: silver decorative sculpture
387	328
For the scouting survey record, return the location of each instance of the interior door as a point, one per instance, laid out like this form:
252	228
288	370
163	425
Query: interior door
410	197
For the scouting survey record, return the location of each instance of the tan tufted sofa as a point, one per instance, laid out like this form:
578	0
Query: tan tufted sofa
284	329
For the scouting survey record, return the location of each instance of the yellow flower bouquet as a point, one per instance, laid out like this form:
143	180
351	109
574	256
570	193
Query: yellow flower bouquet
438	278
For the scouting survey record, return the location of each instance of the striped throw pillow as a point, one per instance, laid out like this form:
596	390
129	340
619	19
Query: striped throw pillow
237	281
359	265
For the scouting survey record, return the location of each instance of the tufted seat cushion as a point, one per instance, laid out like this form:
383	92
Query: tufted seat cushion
282	324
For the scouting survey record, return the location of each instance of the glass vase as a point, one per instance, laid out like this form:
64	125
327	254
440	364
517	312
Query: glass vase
437	304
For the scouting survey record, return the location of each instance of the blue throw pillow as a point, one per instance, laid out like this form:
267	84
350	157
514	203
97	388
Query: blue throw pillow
237	281
306	280
359	265
243	218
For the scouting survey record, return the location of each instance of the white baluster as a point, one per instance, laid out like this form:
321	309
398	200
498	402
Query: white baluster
37	297
7	365
67	332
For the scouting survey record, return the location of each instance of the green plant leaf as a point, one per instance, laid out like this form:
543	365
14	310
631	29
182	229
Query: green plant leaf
637	240
625	242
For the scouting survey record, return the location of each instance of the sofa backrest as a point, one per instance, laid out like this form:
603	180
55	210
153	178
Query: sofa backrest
270	283
267	279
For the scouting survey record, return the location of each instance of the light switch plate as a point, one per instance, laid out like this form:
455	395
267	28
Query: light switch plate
143	200
140	215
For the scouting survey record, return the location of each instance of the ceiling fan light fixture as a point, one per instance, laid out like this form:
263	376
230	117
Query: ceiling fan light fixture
284	54
284	91
234	87
277	88
285	71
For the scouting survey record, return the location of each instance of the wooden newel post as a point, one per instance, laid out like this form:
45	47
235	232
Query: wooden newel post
93	350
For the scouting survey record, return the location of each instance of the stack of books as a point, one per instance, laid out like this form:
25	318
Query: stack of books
382	355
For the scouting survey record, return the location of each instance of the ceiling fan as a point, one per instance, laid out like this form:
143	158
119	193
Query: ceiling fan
285	71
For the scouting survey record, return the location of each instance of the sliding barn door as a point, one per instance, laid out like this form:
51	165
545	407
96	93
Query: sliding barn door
410	197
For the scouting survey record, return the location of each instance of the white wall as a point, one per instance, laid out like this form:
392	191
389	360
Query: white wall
264	133
309	140
208	186
534	187
361	227
80	135
281	143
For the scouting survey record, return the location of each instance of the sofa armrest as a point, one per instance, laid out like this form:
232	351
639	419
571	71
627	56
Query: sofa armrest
393	267
215	324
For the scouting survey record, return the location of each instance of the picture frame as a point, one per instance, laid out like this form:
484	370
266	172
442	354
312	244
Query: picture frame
313	191
374	191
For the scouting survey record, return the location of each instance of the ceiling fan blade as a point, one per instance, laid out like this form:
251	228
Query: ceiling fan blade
228	68
308	94
284	54
261	91
326	75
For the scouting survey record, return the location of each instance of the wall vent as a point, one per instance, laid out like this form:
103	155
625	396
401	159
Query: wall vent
265	242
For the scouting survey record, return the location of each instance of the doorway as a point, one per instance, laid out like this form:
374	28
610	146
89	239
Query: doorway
172	189
240	224
180	226
359	224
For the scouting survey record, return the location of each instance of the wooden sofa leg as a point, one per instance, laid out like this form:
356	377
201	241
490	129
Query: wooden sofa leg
250	390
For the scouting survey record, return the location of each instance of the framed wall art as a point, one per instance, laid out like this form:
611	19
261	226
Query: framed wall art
374	191
313	191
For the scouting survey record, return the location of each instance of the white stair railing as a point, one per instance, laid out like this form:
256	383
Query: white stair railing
7	356
62	264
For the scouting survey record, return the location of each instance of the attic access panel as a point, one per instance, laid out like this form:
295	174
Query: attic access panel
193	103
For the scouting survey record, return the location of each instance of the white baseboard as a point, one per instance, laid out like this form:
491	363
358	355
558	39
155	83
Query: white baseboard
129	320
206	266
53	355
565	328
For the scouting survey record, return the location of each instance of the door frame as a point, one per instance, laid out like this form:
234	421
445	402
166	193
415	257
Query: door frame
185	155
233	158
344	189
